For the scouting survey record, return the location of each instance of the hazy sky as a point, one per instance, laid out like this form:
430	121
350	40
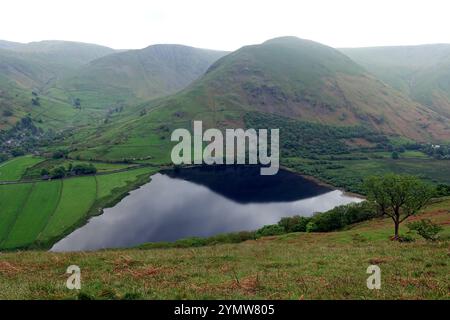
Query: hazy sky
226	24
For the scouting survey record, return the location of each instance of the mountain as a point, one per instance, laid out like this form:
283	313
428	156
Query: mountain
36	67
36	64
422	72
81	84
9	44
143	74
65	52
23	70
288	77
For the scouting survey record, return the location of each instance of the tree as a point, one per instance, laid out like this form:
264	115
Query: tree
269	230
59	154
398	196
294	224
35	101
443	190
80	169
77	103
3	157
17	152
395	155
58	173
45	172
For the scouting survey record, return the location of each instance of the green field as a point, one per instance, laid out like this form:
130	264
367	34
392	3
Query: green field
36	214
77	197
15	168
12	200
33	217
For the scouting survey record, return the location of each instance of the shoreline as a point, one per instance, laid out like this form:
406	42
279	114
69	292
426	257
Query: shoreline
316	180
323	183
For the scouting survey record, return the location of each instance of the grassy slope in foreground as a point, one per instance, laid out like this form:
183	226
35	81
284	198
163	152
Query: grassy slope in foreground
37	214
294	266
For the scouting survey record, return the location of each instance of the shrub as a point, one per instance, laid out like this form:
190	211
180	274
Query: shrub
191	242
35	101
426	229
60	154
269	230
341	216
81	169
17	152
311	227
443	190
328	221
294	224
58	173
234	237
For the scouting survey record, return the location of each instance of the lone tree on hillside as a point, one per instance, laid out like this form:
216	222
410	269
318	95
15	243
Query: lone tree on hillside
398	196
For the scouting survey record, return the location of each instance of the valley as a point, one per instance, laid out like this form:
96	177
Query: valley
84	129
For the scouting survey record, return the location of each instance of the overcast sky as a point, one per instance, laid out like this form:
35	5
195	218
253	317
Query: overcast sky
226	24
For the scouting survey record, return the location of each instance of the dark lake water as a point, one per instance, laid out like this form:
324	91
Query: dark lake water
202	202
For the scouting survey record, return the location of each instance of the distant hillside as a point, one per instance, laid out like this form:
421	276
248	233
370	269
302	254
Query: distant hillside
9	44
36	67
37	63
422	72
24	70
143	74
288	76
55	58
309	81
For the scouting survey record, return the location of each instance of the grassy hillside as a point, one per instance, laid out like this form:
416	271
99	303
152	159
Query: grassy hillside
422	72
139	74
293	266
36	64
36	67
294	78
75	86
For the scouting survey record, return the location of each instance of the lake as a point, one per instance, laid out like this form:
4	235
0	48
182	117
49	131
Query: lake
202	201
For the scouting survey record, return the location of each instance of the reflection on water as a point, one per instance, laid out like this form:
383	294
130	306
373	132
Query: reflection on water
245	184
170	208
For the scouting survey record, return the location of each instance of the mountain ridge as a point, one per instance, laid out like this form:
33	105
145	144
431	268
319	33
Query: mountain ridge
147	73
422	72
288	77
